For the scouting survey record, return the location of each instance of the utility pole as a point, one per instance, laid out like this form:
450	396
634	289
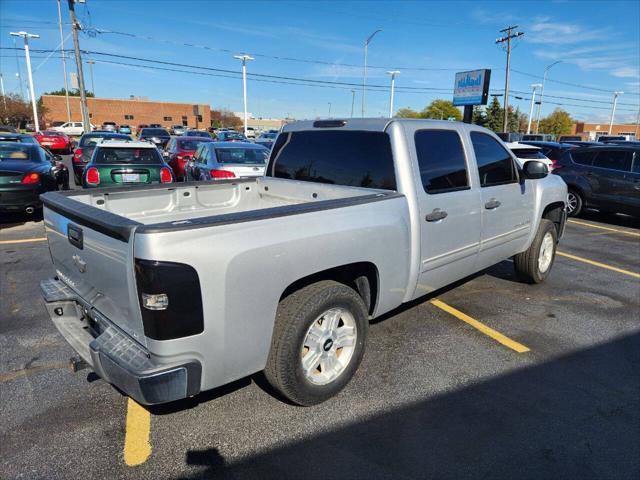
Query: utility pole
393	74
637	122
329	109
75	26
353	101
244	59
544	79
613	109
4	98
64	62
91	63
26	36
364	77
533	99
510	34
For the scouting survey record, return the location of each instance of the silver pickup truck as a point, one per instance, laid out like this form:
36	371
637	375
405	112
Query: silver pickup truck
170	290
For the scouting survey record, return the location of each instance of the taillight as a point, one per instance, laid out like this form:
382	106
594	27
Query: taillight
93	176
77	155
165	175
222	174
555	165
30	178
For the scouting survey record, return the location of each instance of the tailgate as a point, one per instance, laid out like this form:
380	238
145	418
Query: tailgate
92	251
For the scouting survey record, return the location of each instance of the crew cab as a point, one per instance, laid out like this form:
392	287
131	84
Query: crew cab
167	291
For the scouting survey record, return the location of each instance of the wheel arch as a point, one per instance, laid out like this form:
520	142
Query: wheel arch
363	277
555	212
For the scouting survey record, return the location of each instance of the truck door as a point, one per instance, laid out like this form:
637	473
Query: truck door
449	206
506	204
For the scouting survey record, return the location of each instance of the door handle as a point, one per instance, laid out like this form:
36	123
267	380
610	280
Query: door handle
436	215
492	204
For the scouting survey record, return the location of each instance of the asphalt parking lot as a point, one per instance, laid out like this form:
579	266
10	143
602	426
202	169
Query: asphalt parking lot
489	378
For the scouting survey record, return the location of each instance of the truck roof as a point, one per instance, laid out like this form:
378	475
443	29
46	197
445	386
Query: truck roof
372	124
118	143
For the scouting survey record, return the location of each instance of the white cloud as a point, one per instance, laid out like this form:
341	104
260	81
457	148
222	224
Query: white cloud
625	72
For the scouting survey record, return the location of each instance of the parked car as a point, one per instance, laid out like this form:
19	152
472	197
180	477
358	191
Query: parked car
126	129
155	125
615	138
177	129
26	171
282	273
29	127
224	160
552	150
582	143
266	139
74	129
119	163
109	127
525	153
18	138
196	133
140	127
509	136
82	155
606	178
55	141
179	151
8	129
158	136
251	133
230	136
538	137
569	138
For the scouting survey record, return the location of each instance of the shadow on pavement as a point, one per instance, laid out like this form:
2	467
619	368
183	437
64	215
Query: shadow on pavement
610	218
11	219
575	417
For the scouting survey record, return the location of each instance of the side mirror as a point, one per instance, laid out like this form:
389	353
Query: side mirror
534	170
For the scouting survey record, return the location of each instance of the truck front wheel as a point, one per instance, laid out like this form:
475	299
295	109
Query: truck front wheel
534	264
318	342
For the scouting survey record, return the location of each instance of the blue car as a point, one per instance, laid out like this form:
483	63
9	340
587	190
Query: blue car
124	129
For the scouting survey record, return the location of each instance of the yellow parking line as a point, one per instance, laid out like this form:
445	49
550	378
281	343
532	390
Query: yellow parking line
490	332
634	234
136	441
24	240
598	264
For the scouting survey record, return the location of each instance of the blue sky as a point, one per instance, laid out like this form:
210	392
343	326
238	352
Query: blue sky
598	43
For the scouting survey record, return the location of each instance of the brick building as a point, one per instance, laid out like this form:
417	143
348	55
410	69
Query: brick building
590	131
127	112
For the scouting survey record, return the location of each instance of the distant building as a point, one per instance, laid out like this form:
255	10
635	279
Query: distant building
590	131
132	112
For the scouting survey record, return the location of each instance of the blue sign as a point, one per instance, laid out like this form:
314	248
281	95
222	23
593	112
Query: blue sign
471	88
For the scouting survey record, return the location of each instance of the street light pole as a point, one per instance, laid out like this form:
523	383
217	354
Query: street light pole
64	62
329	109
244	59
4	98
613	109
364	77
393	74
26	36
533	99
544	79
353	101
91	63
75	26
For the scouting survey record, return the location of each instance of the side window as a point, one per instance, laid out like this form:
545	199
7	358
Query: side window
636	161
582	158
614	160
441	160
495	165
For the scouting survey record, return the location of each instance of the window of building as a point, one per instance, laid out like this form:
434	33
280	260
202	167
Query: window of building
91	115
494	162
184	118
128	117
441	160
167	119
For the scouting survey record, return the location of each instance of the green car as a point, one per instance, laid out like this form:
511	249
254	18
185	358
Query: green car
119	163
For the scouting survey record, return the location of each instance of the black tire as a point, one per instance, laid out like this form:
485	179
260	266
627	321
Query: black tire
526	263
574	194
296	313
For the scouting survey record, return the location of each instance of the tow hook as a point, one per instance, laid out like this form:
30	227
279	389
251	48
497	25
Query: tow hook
77	363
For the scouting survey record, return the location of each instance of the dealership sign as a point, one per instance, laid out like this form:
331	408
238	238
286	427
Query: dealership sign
471	88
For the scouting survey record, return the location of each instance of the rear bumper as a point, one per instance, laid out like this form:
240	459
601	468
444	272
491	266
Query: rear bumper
113	355
19	199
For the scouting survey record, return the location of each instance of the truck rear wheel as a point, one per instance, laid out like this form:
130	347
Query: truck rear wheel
534	264
318	342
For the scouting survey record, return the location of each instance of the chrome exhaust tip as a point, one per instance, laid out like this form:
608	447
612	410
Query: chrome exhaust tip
30	210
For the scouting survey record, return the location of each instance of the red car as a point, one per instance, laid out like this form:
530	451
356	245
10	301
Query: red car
179	150
55	141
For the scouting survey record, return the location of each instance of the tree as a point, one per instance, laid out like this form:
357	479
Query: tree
407	113
223	118
494	115
18	110
441	109
72	93
479	116
558	123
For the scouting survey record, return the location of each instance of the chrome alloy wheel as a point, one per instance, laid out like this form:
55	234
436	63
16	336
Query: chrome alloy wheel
328	346
546	253
572	202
